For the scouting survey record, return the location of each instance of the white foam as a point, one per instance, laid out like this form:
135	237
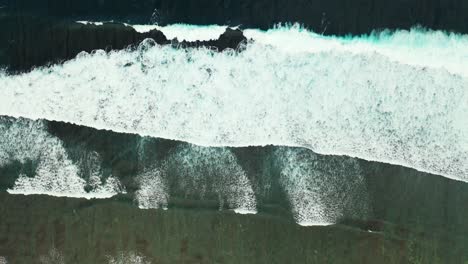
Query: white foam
417	47
180	31
305	223
185	32
22	140
341	99
128	258
153	193
144	28
90	23
244	211
322	190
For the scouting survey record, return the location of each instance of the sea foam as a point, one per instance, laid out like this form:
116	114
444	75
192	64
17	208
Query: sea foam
399	98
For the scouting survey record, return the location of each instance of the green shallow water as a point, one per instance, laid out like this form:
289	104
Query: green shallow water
83	231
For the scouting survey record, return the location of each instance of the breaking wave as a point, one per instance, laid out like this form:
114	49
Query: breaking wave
416	47
377	97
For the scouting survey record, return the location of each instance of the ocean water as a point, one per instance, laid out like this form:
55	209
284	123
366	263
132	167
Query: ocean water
392	97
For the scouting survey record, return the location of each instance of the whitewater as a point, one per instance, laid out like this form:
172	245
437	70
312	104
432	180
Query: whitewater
394	97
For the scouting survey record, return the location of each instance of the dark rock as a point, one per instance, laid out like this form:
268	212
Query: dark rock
230	39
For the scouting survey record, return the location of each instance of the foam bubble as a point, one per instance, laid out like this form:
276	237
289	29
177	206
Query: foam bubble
368	98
